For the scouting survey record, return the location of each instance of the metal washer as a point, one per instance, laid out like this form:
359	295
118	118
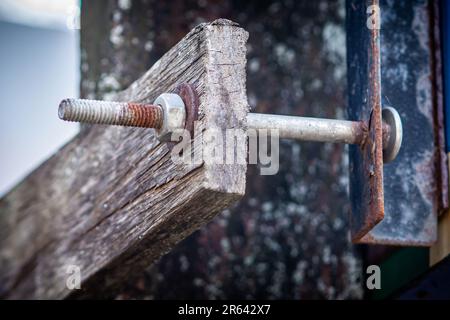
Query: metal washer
392	148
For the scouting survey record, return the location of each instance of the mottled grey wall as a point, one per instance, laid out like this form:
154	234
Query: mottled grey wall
288	238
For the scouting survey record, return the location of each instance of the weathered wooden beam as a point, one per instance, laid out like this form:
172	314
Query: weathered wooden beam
111	201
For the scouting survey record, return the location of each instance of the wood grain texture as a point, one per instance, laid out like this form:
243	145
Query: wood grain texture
441	249
111	201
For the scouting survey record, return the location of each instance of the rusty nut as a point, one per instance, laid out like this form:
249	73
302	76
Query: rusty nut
174	115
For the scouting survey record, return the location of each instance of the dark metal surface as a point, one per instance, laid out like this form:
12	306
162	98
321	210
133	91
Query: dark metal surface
366	161
441	158
415	183
445	10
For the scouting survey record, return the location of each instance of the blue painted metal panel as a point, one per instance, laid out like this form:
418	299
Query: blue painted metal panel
446	62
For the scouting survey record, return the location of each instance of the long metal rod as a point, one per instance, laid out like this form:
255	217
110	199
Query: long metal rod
290	127
309	129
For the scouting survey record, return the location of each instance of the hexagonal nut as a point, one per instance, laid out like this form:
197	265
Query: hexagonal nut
174	115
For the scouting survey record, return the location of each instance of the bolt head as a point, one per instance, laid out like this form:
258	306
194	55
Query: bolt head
174	115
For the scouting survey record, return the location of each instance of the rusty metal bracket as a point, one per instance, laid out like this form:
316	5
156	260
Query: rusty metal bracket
394	61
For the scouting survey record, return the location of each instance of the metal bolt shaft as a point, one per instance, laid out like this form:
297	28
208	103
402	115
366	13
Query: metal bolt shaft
309	129
112	113
331	130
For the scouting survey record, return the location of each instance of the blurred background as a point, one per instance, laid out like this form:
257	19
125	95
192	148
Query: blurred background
39	63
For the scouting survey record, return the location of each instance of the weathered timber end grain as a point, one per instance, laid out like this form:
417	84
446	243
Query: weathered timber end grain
111	201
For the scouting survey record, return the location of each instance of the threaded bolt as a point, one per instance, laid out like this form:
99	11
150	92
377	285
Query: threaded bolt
112	113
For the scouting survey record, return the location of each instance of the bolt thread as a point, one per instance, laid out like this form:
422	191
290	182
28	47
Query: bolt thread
111	113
